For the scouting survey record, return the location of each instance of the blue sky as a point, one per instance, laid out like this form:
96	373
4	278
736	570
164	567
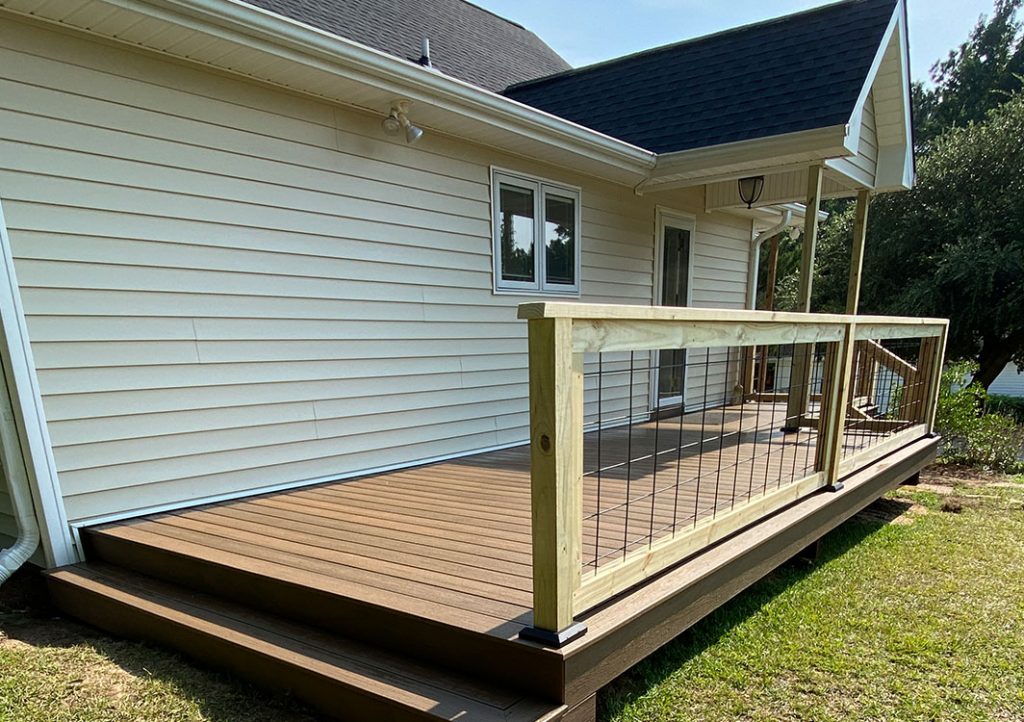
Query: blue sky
586	31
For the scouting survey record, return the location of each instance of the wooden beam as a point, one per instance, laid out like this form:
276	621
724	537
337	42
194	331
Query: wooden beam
810	237
936	378
839	370
556	471
927	370
773	272
769	305
800	372
860	227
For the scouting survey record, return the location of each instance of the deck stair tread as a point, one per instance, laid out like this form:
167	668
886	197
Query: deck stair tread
322	666
172	535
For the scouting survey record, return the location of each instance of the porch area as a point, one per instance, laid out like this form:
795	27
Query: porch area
513	584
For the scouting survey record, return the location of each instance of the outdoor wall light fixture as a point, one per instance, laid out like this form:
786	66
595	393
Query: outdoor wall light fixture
398	120
750	189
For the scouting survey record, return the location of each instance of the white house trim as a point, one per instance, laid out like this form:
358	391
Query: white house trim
27	403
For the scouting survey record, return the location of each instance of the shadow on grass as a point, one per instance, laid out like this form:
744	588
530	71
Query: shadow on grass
28	617
705	633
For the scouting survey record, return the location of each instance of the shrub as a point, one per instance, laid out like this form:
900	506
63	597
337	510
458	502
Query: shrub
995	442
960	403
970	435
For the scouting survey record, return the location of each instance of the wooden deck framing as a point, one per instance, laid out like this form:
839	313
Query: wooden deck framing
433	564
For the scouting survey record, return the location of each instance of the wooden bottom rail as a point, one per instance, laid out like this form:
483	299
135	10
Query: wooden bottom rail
616	577
886	446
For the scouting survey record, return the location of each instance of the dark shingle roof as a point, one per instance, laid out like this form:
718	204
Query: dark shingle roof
793	73
466	42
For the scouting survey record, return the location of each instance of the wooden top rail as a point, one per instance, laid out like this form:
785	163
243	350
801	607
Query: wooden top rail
597	328
608	312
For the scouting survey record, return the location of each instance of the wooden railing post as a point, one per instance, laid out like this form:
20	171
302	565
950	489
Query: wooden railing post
835	397
929	370
799	387
865	371
556	462
749	357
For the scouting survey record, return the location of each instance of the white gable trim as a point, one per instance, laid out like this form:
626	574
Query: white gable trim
889	74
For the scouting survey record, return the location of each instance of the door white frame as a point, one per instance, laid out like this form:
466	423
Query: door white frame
671	218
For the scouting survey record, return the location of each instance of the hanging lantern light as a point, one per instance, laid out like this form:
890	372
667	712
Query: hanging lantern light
750	189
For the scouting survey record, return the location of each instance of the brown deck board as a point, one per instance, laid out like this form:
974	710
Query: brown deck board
451	541
393	550
314	554
366	681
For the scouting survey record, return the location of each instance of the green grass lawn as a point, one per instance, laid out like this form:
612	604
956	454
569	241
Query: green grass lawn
911	614
917	618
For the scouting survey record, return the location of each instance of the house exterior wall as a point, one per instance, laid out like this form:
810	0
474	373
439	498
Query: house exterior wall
230	288
1009	382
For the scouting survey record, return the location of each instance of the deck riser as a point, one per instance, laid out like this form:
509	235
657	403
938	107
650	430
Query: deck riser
515	665
333	699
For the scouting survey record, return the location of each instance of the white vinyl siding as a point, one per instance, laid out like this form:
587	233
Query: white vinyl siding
1009	382
864	165
719	280
230	288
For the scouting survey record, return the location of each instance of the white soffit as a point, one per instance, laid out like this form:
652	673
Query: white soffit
780	188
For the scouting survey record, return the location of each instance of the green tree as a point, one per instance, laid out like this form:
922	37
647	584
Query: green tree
954	245
973	79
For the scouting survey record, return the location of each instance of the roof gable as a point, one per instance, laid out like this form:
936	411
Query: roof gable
466	41
791	74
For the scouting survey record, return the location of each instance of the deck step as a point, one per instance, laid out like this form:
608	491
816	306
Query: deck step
342	677
435	634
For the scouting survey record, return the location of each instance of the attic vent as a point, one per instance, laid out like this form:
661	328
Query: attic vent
425	53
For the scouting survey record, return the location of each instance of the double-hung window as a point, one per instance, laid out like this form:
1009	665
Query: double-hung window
536	236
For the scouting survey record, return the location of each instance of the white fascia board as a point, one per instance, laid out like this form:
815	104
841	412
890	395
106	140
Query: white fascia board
895	169
856	119
850	175
267	32
694	165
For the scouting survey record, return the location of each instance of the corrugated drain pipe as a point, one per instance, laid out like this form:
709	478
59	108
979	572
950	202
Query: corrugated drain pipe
24	547
755	255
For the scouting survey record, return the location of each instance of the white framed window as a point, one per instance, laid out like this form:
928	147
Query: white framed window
536	234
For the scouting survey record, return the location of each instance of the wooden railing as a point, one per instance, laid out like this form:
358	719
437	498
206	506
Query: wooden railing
850	351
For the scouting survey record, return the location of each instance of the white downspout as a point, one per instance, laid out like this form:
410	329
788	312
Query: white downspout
755	255
27	541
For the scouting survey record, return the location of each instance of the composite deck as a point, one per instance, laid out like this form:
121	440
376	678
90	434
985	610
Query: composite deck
433	563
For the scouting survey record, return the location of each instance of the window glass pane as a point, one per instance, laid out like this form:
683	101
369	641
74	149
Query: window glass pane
675	257
560	239
516	233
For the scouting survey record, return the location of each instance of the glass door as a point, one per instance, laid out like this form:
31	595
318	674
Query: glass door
673	290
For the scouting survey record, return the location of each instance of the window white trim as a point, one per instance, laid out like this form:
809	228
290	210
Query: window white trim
540	188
